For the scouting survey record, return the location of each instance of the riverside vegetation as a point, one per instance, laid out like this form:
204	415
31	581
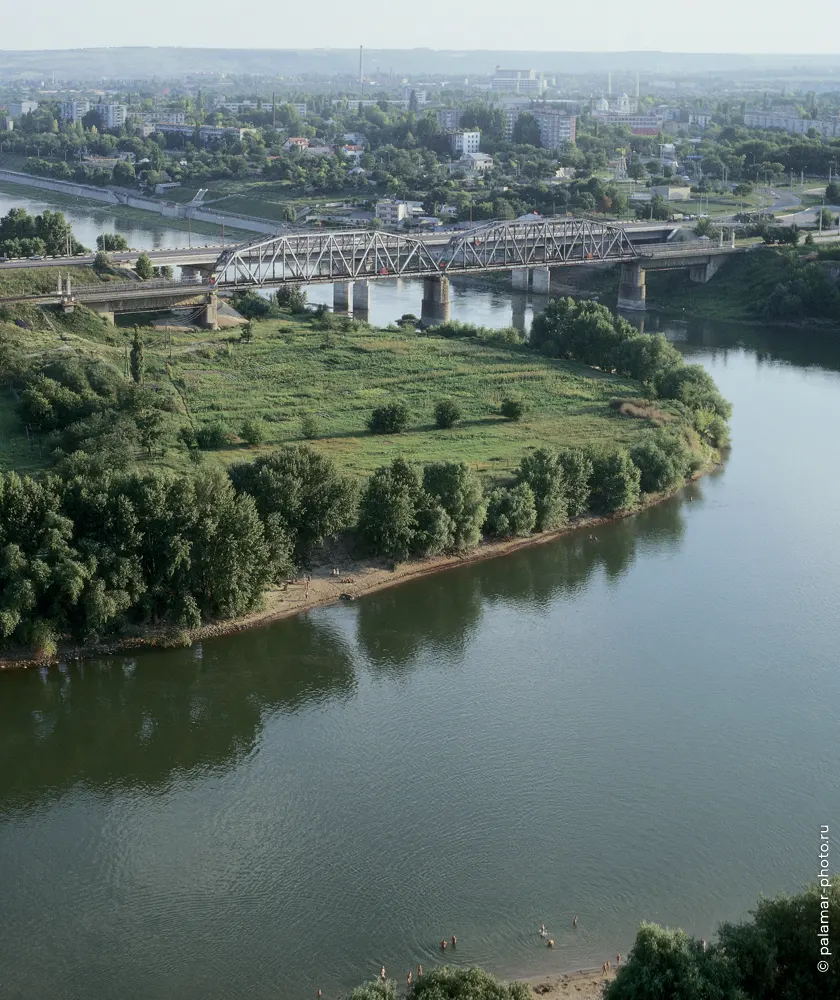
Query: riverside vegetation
104	539
772	956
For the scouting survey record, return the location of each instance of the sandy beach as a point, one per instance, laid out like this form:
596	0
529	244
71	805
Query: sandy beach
583	984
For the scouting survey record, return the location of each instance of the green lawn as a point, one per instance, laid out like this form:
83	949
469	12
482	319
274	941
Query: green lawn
293	368
41	280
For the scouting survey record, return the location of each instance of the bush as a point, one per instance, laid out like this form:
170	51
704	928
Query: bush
695	387
254	431
102	263
246	332
511	512
615	483
447	413
213	436
389	419
512	409
309	426
543	472
251	305
577	473
144	267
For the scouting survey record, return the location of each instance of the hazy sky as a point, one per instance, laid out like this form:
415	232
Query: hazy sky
810	26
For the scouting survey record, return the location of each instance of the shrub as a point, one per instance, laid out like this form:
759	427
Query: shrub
615	483
543	472
102	262
144	267
695	387
212	436
309	426
447	413
392	418
458	490
712	428
251	305
246	333
511	512
577	474
254	431
512	409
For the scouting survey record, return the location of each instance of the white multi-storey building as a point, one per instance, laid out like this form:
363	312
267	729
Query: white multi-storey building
18	108
829	128
449	118
392	213
518	81
74	111
112	115
465	142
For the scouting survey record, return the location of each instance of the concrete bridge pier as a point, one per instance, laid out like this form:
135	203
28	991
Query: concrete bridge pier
435	308
210	313
518	318
342	291
631	288
195	271
361	299
701	273
541	280
107	315
520	277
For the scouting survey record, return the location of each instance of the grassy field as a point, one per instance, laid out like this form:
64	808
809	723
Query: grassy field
294	368
40	280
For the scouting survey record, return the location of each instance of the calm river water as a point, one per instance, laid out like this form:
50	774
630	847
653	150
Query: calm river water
636	725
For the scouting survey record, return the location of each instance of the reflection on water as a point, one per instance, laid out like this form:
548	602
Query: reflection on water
625	726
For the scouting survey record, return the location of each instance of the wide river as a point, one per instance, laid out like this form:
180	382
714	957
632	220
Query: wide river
639	723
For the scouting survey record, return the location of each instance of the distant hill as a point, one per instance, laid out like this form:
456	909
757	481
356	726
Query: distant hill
145	62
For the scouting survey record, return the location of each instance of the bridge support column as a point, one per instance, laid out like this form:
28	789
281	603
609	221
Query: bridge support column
210	313
519	278
631	288
518	318
341	296
701	273
541	280
361	299
435	308
107	315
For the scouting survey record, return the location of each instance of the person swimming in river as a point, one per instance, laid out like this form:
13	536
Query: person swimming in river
550	942
454	941
542	930
443	944
574	922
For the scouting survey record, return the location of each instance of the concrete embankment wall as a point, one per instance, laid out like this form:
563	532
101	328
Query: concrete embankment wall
169	210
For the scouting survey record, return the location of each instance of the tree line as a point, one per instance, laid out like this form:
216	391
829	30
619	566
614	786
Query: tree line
774	955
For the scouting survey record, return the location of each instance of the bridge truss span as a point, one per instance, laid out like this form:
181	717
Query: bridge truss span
528	244
323	256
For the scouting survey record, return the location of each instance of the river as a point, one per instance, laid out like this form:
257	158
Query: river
142	230
635	724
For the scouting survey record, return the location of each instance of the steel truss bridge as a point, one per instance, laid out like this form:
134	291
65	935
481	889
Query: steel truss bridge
350	256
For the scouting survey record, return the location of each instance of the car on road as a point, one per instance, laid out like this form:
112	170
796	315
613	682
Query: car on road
35	256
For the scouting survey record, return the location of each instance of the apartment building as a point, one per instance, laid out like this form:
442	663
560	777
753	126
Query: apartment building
465	142
556	127
391	213
74	111
518	81
829	128
112	115
18	108
449	119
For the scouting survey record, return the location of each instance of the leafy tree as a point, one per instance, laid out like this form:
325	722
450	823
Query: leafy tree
246	332
102	262
615	483
213	436
309	426
512	409
647	358
136	361
449	983
577	474
663	463
376	989
543	472
459	492
694	386
392	418
254	431
144	267
398	519
42	574
110	242
303	490
447	413
832	193
668	965
511	512
526	131
291	297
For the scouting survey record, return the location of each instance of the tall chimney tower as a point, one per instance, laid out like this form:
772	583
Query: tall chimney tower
637	85
361	66
609	84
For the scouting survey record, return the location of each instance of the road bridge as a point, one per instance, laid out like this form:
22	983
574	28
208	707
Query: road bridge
351	260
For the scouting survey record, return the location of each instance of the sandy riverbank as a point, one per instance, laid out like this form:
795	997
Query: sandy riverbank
320	587
582	984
